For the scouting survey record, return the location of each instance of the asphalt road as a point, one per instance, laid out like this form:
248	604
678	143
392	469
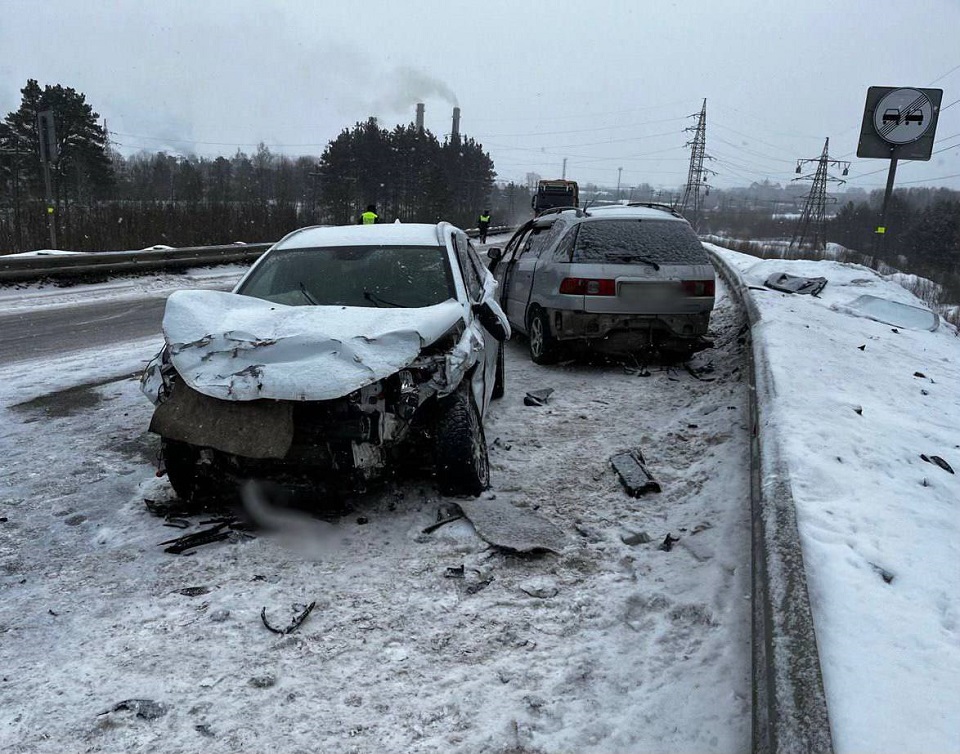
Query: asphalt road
36	333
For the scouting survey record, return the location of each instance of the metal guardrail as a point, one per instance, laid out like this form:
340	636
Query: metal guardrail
789	703
19	268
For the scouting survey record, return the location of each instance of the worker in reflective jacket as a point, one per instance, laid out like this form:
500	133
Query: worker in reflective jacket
483	223
369	217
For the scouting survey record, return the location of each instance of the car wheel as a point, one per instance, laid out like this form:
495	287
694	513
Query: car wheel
543	346
461	448
182	462
498	380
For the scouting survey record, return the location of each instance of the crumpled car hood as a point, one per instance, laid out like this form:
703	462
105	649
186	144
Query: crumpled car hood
241	348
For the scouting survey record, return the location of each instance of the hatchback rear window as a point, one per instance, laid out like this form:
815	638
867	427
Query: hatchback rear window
626	241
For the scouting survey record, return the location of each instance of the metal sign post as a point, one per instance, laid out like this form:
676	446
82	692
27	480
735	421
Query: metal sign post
47	134
899	123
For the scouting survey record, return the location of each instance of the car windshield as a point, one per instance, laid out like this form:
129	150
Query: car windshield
371	276
624	241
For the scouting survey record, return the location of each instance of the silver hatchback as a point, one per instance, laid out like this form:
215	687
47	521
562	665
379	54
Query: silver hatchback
618	280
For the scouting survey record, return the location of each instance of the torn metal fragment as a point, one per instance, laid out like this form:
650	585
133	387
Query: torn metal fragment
504	525
633	473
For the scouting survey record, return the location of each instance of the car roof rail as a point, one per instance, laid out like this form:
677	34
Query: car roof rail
558	210
657	205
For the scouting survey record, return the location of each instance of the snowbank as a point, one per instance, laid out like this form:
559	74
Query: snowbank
857	404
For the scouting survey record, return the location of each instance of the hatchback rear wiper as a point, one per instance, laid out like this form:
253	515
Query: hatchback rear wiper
635	258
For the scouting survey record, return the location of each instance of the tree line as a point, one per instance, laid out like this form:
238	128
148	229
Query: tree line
104	200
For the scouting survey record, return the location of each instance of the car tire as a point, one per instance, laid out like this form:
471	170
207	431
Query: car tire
461	448
182	464
543	346
499	386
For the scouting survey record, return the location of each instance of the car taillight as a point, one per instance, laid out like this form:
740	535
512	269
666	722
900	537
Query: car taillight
588	287
698	287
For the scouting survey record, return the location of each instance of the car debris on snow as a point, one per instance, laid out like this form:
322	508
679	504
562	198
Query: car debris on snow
540	588
538	397
890	313
228	529
668	542
508	527
634	476
938	461
194	591
635	538
146	709
301	613
781	281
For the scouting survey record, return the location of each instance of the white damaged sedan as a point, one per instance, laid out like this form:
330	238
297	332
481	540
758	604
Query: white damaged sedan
341	351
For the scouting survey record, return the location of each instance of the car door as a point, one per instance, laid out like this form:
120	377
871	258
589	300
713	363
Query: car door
473	274
520	278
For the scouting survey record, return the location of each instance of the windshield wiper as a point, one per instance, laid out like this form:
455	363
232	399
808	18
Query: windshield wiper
307	296
635	258
377	300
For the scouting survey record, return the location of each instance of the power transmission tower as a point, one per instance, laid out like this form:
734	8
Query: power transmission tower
697	174
811	224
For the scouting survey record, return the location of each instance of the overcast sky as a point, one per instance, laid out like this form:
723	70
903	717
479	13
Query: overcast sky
604	84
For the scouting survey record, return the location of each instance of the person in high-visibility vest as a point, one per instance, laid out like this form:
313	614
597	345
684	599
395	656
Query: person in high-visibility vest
370	217
483	222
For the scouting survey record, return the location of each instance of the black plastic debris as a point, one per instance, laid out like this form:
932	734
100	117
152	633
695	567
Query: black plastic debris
454	572
194	591
862	348
920	374
938	461
301	613
634	476
222	529
442	522
146	709
204	730
883	573
859	410
538	397
668	542
781	281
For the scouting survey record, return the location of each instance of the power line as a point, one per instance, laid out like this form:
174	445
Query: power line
813	216
697	173
944	75
579	130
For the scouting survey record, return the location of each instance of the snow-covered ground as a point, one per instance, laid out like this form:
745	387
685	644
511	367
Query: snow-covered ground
603	647
857	402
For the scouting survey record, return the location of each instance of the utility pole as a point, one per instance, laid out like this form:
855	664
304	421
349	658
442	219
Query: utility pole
563	175
697	174
619	173
48	153
811	224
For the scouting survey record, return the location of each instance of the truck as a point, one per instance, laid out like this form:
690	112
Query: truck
558	192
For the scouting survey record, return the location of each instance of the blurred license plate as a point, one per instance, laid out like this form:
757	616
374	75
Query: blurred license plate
646	291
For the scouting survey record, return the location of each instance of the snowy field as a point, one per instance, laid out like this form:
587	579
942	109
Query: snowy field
602	647
857	403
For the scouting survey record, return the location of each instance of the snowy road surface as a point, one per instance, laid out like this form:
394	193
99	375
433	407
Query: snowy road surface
602	647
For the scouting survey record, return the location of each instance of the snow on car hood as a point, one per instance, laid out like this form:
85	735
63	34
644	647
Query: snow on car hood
242	348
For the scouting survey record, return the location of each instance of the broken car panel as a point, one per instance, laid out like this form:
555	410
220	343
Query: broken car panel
338	346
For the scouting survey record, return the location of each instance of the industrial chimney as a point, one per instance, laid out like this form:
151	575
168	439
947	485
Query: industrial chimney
420	109
456	123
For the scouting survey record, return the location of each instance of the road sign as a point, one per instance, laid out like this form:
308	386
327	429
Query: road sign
899	123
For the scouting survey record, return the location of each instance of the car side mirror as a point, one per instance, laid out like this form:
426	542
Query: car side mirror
490	321
495	254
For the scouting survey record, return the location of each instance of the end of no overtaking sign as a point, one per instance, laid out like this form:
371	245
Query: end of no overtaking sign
899	123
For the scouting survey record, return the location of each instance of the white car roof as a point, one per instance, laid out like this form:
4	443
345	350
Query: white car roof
398	234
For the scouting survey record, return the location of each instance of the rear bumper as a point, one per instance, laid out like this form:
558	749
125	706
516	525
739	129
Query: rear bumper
626	332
